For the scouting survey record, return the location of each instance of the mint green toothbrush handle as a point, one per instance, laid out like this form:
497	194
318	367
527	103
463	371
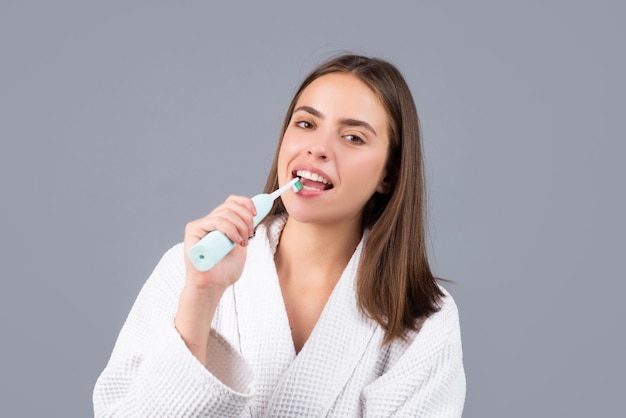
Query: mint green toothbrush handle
214	246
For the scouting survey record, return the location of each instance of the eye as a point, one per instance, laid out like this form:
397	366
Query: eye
354	139
304	124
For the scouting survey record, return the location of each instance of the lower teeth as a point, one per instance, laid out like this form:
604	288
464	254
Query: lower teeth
312	188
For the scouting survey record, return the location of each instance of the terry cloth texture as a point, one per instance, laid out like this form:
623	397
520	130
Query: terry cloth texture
253	370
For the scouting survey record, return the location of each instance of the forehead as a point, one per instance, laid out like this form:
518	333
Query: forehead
343	95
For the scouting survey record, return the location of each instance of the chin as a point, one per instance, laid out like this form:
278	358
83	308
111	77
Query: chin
302	214
304	217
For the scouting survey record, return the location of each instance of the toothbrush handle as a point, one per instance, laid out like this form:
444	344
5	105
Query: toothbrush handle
214	246
207	252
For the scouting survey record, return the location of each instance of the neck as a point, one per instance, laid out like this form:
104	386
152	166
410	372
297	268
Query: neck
314	252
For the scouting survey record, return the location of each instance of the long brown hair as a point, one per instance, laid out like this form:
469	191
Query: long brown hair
395	286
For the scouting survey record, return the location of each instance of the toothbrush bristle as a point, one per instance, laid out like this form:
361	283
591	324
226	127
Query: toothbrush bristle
297	186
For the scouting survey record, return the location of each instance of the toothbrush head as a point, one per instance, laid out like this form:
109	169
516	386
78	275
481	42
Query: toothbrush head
294	184
297	186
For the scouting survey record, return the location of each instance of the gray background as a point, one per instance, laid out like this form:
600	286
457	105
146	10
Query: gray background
121	121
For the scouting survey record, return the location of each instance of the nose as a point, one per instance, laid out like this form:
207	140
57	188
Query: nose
319	148
318	152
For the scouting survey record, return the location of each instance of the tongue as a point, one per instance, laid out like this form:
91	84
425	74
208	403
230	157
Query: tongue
314	184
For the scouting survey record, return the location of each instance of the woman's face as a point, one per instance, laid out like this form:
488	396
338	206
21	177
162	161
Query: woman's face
336	142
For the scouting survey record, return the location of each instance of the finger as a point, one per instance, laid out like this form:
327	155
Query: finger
225	220
197	230
233	226
238	211
239	215
244	206
241	207
246	202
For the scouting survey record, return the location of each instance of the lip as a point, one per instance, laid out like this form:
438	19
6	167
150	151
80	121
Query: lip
306	167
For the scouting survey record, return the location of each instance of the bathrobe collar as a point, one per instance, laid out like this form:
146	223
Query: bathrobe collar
315	377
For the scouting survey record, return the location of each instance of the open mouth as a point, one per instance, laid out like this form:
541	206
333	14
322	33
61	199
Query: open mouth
313	181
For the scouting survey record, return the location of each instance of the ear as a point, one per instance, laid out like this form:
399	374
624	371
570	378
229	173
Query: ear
383	185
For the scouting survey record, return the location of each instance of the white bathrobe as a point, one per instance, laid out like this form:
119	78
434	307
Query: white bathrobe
253	371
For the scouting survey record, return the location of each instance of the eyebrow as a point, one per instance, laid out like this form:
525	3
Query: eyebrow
343	121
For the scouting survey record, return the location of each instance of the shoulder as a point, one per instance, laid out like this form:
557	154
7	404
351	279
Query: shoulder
169	273
446	320
443	326
173	259
427	366
439	332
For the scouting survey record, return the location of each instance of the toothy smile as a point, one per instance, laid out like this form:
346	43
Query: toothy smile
313	181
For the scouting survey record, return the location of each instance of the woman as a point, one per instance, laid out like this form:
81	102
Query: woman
330	309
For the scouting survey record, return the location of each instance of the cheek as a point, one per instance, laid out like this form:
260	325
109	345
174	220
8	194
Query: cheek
370	168
285	154
289	142
376	176
288	148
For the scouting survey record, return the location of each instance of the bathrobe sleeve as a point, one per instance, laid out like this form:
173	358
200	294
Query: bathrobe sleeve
428	379
152	373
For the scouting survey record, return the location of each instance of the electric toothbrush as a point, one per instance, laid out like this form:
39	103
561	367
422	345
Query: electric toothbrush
214	246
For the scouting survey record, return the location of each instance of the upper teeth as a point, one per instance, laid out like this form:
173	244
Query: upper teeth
311	176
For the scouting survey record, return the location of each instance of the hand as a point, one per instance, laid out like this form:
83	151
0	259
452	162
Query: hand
234	218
